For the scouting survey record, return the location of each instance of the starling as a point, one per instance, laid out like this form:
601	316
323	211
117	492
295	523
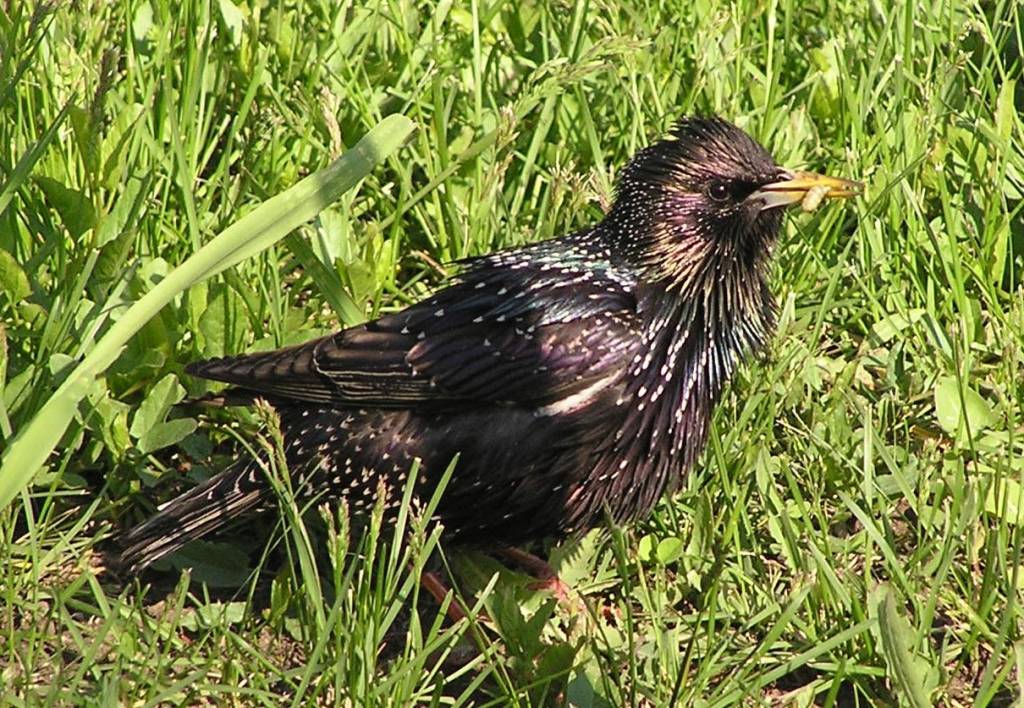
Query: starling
573	378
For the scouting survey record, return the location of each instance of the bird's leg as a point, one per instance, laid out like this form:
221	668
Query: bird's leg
439	589
547	577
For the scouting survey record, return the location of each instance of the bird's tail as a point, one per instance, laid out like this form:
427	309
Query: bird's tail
195	513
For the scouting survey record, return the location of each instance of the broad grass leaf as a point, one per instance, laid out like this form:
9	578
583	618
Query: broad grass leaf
262	227
913	677
952	413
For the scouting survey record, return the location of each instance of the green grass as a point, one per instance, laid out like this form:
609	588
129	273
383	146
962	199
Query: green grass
852	535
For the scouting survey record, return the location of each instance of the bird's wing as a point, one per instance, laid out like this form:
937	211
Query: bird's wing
294	373
547	336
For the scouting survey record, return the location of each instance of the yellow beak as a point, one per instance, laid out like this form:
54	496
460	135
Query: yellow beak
807	188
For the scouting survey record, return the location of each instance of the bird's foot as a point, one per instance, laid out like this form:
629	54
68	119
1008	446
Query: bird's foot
546	576
556	587
439	590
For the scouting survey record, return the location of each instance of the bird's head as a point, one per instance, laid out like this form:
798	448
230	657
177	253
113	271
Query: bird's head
708	200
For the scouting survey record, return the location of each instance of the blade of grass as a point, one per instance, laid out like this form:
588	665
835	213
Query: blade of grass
261	228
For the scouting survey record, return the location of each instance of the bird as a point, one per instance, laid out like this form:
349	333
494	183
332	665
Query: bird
572	379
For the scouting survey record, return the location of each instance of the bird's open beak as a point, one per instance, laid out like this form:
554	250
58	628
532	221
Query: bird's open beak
807	188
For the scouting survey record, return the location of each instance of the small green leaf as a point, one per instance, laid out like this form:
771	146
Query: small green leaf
86	138
110	265
579	693
13	280
1018	654
645	548
575	561
76	211
669	550
888	327
1013	183
234	21
3	360
1005	501
825	97
154	409
216	564
219	322
222	613
555	660
142	22
119	221
166	434
60	364
1005	111
109	419
952	413
32	312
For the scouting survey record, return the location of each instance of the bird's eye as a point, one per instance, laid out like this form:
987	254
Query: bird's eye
718	191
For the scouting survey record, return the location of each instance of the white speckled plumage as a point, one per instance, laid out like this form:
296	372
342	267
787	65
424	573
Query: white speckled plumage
573	377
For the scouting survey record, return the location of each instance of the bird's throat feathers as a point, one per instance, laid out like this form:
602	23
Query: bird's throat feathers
693	341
